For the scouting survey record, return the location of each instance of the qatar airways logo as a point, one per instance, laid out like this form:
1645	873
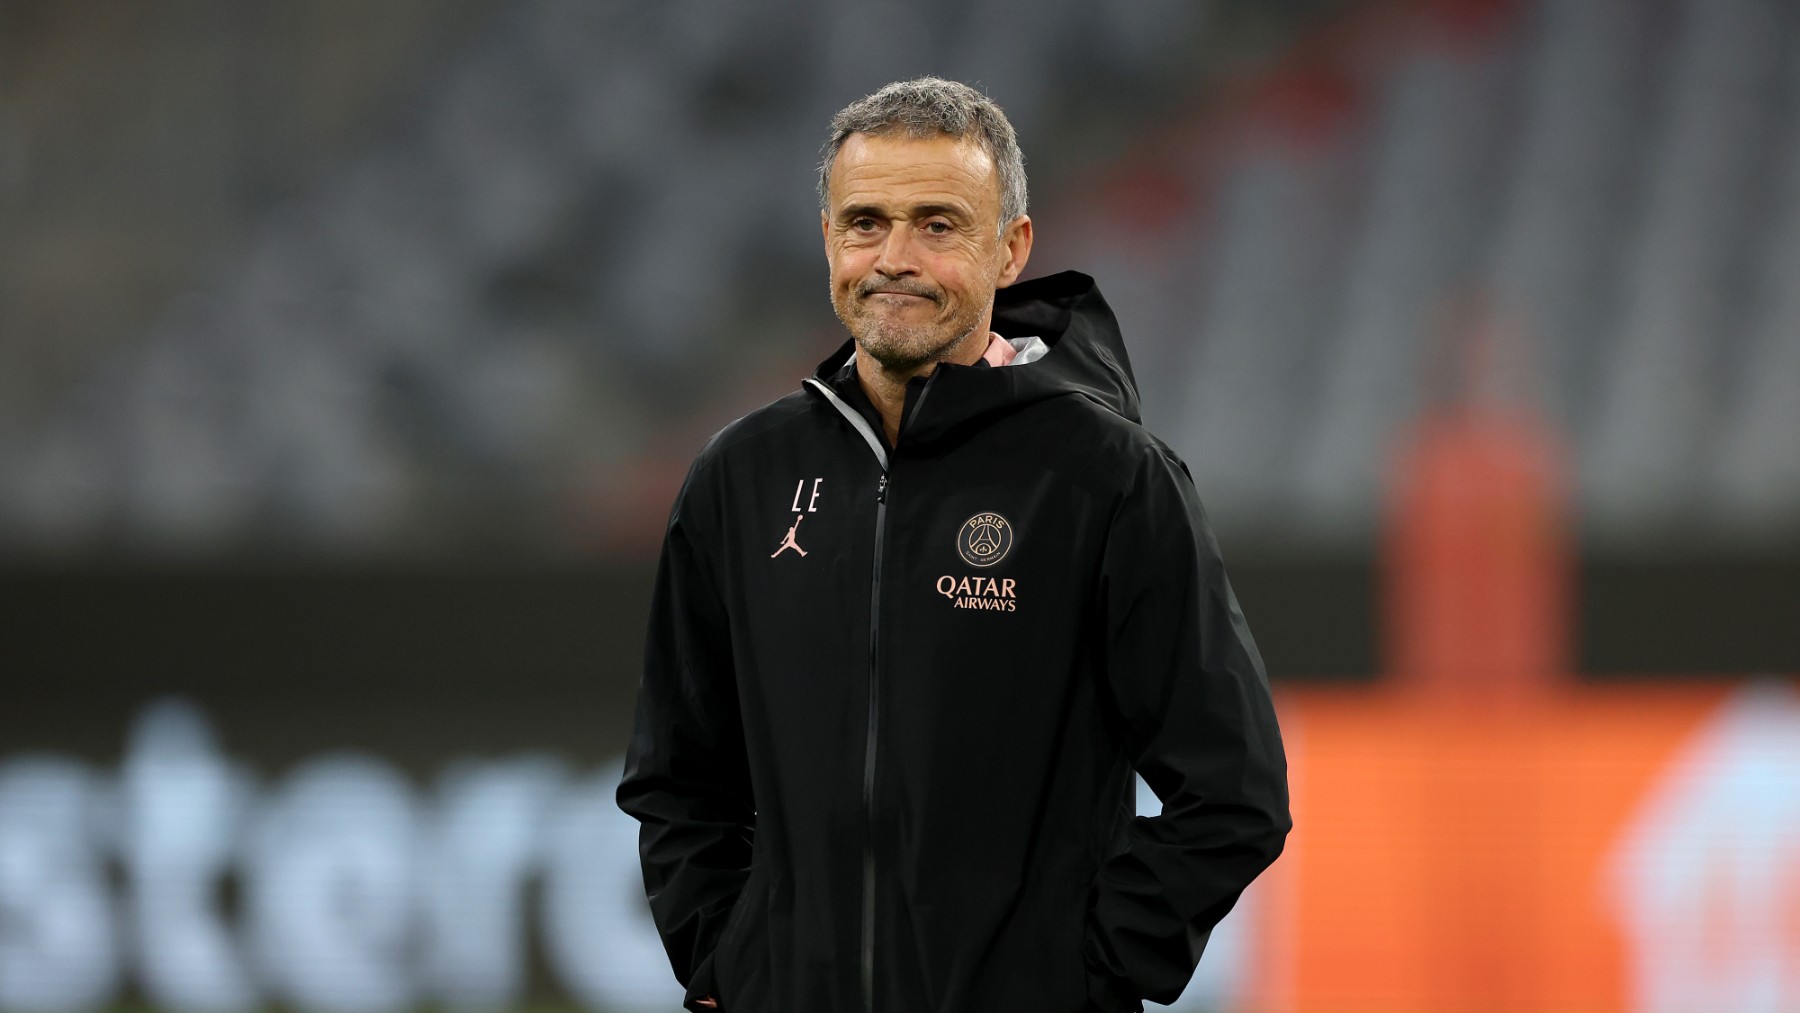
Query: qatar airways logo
980	593
983	540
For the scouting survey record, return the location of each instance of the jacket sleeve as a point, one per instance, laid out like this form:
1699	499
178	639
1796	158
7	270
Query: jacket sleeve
686	777
1185	680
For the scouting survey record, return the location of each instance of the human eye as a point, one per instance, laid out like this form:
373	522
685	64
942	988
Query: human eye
939	227
864	224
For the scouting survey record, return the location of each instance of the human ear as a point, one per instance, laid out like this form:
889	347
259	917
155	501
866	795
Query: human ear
1015	249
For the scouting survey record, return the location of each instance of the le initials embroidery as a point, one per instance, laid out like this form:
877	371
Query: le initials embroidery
812	507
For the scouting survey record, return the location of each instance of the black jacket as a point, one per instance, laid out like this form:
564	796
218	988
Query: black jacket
893	774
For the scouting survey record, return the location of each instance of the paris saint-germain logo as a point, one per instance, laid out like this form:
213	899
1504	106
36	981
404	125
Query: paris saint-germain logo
984	539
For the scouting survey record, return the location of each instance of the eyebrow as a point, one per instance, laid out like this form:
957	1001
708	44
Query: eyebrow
917	211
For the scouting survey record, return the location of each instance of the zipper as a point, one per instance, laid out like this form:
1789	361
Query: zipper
868	912
867	950
874	728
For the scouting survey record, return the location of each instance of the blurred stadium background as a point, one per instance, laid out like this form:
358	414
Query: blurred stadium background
350	355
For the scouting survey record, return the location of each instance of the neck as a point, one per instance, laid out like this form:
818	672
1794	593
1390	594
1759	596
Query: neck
886	385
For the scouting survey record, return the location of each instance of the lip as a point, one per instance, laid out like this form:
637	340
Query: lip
908	295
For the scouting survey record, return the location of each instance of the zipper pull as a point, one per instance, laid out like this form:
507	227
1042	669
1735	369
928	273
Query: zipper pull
881	490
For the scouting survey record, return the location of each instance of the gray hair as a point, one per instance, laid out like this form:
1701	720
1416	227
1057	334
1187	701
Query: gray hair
928	106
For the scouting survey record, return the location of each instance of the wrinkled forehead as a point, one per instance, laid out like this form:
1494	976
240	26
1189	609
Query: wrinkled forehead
898	166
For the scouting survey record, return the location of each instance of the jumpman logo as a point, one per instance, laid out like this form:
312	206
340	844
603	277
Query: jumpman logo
788	542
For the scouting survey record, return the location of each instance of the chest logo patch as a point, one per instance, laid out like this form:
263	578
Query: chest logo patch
984	539
788	541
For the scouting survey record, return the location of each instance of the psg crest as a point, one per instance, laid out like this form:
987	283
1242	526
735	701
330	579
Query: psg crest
984	539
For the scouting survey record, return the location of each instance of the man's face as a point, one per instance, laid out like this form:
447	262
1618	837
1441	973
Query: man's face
911	229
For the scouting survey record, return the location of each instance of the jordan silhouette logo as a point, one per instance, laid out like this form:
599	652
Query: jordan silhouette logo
788	542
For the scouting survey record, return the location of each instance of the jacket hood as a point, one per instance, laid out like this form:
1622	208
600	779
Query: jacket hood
1086	357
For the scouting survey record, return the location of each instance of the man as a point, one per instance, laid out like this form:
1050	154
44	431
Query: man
892	773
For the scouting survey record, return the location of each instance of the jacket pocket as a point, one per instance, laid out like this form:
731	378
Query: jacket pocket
1075	967
746	912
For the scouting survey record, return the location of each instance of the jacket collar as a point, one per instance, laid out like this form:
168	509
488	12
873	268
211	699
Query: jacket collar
1086	358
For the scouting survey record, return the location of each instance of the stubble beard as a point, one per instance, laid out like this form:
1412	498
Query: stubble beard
896	346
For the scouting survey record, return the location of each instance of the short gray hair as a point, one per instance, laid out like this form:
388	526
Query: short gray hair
928	106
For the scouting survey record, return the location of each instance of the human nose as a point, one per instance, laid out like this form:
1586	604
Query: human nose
897	258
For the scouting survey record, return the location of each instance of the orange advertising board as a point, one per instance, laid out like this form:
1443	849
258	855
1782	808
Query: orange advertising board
1465	860
1480	831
